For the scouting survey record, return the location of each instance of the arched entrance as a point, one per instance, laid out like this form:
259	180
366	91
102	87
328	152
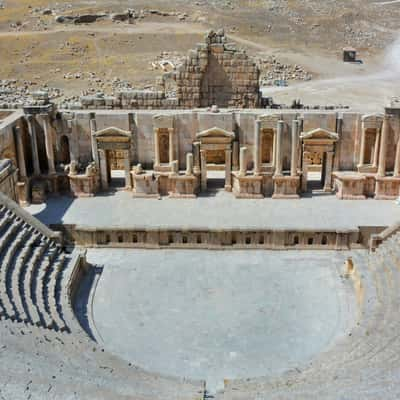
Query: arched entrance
318	150
113	148
216	155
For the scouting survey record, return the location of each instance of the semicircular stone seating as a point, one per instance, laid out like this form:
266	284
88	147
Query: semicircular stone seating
365	363
36	315
45	354
31	267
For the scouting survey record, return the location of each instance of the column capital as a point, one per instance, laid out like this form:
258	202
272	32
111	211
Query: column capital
29	117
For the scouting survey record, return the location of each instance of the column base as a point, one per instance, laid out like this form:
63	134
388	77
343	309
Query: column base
387	188
286	187
247	186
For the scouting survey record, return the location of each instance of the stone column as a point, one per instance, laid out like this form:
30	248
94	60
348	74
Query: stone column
196	158
295	140
228	170
235	155
300	147
156	148
93	129
175	167
376	149
203	170
382	152
21	153
242	161
171	145
338	144
49	143
278	157
189	164
274	149
257	147
304	176
328	171
127	167
35	153
103	169
396	171
362	145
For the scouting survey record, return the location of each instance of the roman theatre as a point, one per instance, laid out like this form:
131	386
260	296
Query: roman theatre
201	245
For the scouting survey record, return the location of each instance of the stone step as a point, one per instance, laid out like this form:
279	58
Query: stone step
6	261
15	275
39	288
8	235
4	222
28	293
56	273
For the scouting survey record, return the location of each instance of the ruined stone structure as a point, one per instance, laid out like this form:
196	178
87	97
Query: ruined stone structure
258	153
209	139
215	73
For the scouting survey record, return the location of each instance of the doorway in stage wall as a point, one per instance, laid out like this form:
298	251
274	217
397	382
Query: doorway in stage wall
113	147
315	175
115	170
216	175
216	159
318	152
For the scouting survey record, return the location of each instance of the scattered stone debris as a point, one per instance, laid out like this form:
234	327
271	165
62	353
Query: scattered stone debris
13	93
167	61
273	72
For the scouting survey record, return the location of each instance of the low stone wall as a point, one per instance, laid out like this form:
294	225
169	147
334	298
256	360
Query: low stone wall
29	219
377	239
73	276
219	239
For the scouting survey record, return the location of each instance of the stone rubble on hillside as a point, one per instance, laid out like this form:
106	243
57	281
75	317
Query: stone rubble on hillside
272	70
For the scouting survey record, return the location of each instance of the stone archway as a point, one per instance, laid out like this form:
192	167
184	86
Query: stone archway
216	142
319	142
112	145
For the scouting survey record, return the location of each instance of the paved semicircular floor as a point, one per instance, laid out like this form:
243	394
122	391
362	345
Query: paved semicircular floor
222	314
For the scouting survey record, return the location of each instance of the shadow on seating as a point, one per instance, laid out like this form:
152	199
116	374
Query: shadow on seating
83	302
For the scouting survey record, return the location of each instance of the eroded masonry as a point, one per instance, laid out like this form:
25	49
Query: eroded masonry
166	146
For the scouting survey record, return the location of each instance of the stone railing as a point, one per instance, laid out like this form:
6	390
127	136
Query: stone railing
377	239
29	219
204	238
73	275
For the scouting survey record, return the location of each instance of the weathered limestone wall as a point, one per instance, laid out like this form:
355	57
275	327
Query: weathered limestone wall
7	143
188	123
8	179
215	73
206	239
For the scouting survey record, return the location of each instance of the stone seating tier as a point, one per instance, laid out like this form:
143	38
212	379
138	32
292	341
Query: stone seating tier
32	265
365	363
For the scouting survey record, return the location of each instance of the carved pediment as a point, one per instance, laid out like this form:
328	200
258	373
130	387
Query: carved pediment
215	133
113	132
319	134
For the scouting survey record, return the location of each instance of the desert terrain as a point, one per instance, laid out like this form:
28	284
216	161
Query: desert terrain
80	46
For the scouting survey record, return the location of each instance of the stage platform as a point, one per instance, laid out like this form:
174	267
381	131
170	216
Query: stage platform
218	211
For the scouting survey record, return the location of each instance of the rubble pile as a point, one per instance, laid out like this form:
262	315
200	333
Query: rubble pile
274	72
167	62
14	94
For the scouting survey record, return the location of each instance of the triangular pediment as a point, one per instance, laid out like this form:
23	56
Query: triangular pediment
215	132
319	134
113	131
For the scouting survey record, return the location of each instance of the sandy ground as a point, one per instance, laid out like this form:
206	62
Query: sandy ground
33	47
